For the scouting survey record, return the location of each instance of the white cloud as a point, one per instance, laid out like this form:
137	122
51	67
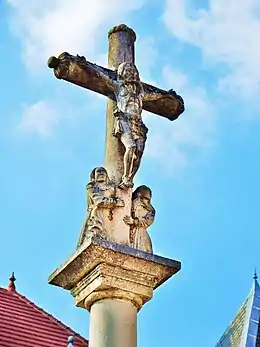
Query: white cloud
177	143
39	118
50	27
226	33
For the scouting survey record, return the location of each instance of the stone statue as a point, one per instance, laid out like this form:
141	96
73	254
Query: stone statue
126	134
101	201
141	218
129	127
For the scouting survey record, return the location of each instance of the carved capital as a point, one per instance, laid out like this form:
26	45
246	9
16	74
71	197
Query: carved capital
100	269
113	282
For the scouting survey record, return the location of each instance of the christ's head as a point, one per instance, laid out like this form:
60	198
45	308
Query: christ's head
128	72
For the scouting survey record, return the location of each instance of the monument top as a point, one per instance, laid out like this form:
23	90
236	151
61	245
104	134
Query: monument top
120	28
110	187
113	270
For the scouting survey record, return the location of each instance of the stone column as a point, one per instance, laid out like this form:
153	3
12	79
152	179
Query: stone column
112	282
113	322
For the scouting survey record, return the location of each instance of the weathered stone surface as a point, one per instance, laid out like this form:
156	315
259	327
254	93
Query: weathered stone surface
100	269
78	70
122	28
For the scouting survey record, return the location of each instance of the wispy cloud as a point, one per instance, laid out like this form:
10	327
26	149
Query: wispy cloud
49	27
147	56
177	144
40	118
227	33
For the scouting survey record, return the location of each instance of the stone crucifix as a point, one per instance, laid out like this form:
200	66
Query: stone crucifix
126	133
113	272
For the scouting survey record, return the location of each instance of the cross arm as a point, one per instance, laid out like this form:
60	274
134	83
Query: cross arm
79	71
164	103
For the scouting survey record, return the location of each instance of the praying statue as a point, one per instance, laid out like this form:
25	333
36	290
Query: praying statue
101	202
142	216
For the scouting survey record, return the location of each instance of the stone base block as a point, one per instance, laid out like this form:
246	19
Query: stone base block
100	269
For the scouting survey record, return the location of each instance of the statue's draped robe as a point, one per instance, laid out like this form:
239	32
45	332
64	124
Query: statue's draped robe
143	215
100	208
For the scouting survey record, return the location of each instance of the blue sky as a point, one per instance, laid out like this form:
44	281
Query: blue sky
203	168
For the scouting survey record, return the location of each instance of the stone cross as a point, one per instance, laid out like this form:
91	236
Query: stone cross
77	70
125	130
113	271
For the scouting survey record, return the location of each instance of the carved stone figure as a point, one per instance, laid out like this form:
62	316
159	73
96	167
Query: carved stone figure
129	127
126	133
141	218
101	201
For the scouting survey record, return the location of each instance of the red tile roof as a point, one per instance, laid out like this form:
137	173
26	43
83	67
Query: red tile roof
23	324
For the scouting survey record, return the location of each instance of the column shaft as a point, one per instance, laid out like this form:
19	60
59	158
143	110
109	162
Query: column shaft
113	323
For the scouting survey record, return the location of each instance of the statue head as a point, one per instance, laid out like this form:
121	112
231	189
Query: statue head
128	72
142	192
99	175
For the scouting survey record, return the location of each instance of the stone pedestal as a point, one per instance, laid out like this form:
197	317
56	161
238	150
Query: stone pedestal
113	282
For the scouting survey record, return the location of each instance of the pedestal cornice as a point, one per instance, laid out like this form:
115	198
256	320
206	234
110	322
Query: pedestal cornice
100	269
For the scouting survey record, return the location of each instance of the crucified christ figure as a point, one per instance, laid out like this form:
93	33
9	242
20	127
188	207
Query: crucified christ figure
124	86
129	127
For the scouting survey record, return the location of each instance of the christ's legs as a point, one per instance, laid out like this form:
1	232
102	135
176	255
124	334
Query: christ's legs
140	144
129	157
